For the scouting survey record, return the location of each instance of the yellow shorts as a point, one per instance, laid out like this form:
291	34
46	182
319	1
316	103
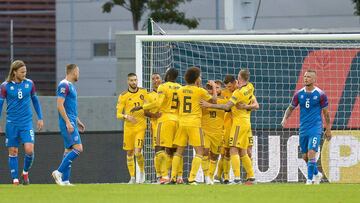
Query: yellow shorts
193	135
165	133
153	129
240	136
133	138
213	141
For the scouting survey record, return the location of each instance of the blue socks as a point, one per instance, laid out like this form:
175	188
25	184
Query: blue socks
28	160
13	164
67	160
311	168
66	173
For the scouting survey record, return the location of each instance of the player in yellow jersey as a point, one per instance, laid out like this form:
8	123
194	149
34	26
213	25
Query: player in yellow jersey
212	122
190	130
167	123
224	163
241	103
134	125
153	114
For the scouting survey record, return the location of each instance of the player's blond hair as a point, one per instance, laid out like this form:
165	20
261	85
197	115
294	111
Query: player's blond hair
14	67
244	74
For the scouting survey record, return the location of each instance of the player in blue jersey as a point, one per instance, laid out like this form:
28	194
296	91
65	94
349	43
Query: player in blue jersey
69	124
312	101
19	92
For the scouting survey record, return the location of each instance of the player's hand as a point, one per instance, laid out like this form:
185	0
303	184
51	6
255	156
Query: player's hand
40	125
69	127
283	123
157	115
131	119
328	135
81	127
205	104
136	108
241	106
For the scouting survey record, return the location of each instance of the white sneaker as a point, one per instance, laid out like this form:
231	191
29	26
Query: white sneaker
57	177
67	183
208	181
317	178
141	178
309	182
132	180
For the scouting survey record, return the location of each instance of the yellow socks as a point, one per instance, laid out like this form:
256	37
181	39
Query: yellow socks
246	161
131	165
175	165
140	161
212	167
226	168
235	163
205	165
220	167
195	167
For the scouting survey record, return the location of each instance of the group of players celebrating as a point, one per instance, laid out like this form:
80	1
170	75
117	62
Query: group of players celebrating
213	121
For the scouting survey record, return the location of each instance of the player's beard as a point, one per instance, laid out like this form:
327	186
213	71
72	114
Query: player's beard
133	86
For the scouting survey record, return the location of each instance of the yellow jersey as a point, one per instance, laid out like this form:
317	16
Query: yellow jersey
153	97
128	100
245	95
213	119
190	111
227	118
168	101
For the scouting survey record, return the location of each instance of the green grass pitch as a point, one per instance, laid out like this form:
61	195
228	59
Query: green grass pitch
261	193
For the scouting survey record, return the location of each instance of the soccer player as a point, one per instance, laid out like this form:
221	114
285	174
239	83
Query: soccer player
241	103
312	101
19	92
153	115
212	122
224	162
134	125
69	123
190	129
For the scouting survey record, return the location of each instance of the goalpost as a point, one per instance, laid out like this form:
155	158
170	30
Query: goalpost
277	64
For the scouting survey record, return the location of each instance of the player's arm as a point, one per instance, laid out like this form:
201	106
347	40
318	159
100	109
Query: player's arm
80	125
254	105
61	109
225	107
214	95
290	109
2	99
120	110
324	105
37	107
147	113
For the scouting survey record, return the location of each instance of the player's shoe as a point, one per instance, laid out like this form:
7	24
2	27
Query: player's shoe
208	181
179	180
309	182
317	178
15	182
250	181
217	179
67	183
164	180
235	182
141	178
25	178
57	177
132	180
192	182
226	182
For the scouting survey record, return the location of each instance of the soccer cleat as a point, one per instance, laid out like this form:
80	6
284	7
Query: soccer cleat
226	182
15	182
217	179
309	182
141	178
250	181
192	182
164	181
67	183
132	180
208	181
179	180
25	179
235	182
317	178
57	177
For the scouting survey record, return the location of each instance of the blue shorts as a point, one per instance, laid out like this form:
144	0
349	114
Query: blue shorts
310	139
70	139
16	135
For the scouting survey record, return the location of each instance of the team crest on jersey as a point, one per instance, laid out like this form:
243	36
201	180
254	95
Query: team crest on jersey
26	85
62	90
11	87
141	97
315	97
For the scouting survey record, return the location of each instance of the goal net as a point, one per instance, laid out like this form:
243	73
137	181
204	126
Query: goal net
277	64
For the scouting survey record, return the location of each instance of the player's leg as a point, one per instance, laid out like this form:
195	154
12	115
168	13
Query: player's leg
226	165
27	137
180	141
197	140
212	165
66	174
155	140
129	146
313	146
205	160
12	144
139	143
234	152
245	137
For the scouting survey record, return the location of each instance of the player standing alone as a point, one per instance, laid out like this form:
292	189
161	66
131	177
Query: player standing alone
18	91
312	101
69	124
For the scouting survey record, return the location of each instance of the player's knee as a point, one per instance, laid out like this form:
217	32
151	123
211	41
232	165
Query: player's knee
158	149
13	151
130	152
305	157
214	157
249	152
206	152
78	148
